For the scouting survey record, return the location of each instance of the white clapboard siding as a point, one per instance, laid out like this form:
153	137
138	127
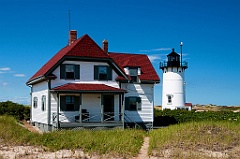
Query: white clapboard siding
145	91
86	74
53	106
38	115
92	103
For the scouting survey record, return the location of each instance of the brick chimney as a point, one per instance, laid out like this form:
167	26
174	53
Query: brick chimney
105	46
72	36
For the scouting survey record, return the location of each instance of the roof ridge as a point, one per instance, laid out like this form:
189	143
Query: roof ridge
127	53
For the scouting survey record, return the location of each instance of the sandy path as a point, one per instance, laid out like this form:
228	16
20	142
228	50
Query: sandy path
31	128
143	153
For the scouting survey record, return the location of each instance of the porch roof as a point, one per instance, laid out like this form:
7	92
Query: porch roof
87	87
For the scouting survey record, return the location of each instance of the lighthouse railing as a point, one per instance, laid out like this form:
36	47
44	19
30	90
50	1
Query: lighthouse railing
164	64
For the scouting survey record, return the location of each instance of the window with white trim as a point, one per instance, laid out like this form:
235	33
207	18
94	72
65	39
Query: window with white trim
133	73
69	103
35	102
102	73
43	103
133	103
69	71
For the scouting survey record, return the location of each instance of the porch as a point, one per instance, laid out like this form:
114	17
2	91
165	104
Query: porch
98	106
85	120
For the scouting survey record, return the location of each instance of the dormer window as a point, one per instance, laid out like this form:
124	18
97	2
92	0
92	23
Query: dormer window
69	71
133	73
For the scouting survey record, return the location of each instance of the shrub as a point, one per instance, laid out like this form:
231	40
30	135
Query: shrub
16	110
168	117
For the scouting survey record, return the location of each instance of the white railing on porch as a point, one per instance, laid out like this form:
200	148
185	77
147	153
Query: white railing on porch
87	117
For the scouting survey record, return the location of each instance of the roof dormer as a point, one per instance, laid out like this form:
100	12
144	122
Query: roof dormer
133	72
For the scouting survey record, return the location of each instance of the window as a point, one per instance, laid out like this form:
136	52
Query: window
173	58
133	103
69	71
35	102
169	99
102	73
69	103
43	103
133	72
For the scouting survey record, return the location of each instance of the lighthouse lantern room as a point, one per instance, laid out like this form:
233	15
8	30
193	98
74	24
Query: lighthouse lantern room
173	89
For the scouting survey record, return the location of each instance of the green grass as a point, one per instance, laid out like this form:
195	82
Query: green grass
185	140
115	142
12	133
118	142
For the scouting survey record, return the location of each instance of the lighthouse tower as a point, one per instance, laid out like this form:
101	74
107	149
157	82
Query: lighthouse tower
173	89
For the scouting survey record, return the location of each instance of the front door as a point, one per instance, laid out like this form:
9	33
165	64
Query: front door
108	109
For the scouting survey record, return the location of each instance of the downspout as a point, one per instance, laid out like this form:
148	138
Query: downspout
123	109
120	107
30	104
58	101
49	104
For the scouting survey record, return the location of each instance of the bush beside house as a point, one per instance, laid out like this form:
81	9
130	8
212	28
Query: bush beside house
168	117
19	111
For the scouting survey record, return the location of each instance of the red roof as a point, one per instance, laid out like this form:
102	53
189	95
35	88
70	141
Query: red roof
83	47
148	73
188	104
88	87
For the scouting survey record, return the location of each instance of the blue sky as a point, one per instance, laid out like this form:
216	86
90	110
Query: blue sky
32	31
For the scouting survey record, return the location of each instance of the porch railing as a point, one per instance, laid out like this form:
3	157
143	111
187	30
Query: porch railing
86	117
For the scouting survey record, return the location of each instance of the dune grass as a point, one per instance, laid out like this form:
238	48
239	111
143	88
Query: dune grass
12	133
189	140
205	139
116	142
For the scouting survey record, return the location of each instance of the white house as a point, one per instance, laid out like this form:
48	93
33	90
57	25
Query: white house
84	85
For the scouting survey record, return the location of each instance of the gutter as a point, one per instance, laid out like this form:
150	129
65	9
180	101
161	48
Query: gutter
36	80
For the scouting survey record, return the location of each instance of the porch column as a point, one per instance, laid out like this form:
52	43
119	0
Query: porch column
80	107
80	113
58	106
102	113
